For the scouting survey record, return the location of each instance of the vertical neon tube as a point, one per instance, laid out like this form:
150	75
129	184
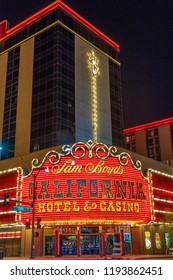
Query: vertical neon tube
94	70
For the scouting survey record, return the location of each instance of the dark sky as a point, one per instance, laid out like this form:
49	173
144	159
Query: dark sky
144	31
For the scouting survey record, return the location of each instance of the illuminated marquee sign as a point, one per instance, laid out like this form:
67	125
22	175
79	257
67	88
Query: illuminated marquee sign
90	182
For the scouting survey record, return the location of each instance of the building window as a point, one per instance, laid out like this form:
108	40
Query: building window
131	142
116	104
53	102
153	144
10	107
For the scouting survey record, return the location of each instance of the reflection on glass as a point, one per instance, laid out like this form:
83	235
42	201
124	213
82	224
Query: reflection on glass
69	245
89	244
49	245
167	240
147	240
157	240
127	239
109	244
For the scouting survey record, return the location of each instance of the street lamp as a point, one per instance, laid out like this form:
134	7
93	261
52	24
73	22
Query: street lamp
33	199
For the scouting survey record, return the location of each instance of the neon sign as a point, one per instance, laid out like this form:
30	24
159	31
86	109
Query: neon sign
10	183
90	183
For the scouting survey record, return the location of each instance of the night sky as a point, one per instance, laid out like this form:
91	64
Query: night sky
144	31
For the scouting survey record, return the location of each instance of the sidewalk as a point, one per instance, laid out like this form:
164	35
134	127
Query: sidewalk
147	257
98	257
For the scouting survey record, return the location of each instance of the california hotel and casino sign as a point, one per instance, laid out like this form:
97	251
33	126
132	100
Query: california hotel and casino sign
88	183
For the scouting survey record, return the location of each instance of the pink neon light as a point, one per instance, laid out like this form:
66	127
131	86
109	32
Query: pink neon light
63	6
148	125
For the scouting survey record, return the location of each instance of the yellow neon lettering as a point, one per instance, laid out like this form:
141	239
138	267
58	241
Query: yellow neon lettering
41	207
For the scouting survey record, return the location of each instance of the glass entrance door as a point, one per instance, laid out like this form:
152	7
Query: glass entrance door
90	244
109	244
68	245
90	240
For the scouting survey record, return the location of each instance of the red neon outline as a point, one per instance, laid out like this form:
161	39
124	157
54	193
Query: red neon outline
148	125
3	28
67	9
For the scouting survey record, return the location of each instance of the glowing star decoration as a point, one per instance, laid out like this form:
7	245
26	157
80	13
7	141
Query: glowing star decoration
93	63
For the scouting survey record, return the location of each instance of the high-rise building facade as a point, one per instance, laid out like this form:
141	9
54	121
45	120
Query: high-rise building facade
153	140
60	82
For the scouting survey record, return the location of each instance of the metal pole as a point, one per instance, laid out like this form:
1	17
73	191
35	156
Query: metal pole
33	218
33	201
14	152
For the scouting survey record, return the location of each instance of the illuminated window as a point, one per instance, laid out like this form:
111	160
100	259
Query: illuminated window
131	142
10	109
127	139
153	144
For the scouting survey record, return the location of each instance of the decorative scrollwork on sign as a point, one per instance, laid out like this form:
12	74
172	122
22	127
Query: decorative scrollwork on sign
102	150
66	149
113	151
35	163
138	165
108	151
78	150
91	148
124	160
53	157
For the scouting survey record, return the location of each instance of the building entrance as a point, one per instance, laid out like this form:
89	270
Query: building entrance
112	234
109	244
90	245
90	240
68	245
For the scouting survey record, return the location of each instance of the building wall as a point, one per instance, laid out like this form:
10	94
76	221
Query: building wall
141	144
166	148
136	240
83	105
153	140
83	127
